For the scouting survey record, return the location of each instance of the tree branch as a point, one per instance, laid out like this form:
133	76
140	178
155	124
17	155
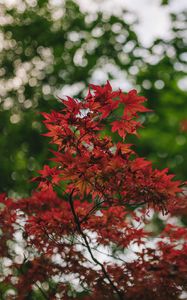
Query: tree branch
42	291
78	225
92	210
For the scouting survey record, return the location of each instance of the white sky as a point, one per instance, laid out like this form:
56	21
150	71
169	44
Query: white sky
154	19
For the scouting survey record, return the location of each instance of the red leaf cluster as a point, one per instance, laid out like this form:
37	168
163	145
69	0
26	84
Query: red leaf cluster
84	235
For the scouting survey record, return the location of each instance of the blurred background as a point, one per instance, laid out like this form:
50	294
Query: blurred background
50	48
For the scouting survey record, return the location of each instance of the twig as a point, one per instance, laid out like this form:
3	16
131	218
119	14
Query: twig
92	210
42	291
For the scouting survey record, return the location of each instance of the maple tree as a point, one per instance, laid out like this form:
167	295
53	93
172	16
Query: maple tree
86	233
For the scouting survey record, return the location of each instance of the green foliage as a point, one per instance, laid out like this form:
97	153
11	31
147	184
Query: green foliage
162	82
165	2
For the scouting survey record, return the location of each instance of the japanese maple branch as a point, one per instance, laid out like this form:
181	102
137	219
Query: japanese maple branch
78	225
92	210
42	291
96	249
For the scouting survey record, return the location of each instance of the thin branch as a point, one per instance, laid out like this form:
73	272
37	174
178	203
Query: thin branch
78	225
109	255
40	289
42	292
92	210
99	251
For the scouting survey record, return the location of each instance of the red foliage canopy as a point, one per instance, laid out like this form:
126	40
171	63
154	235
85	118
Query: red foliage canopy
92	240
